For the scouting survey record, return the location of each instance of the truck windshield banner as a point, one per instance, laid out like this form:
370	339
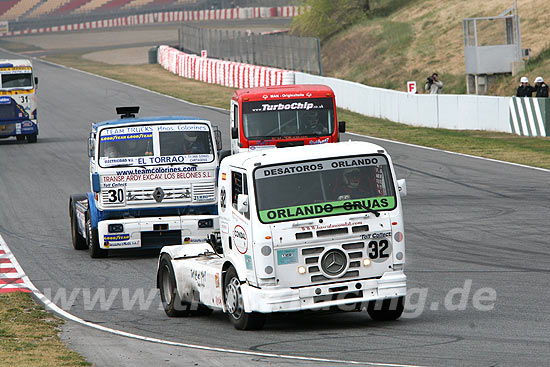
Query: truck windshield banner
302	104
154	145
326	209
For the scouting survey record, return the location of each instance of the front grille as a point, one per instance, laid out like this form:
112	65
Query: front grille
204	192
312	257
171	194
158	239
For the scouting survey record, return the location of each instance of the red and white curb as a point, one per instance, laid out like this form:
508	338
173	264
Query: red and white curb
11	274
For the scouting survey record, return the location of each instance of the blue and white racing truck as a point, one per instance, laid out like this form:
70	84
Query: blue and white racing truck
18	100
153	184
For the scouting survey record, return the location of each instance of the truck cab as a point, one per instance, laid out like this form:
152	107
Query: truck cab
302	228
152	183
283	116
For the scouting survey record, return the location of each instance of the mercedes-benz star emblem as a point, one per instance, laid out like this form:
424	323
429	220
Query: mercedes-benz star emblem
334	262
158	194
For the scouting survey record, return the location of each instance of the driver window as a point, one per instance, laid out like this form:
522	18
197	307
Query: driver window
238	186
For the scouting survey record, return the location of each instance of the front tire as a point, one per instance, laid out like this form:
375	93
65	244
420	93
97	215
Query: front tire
386	310
32	138
20	137
92	240
234	304
79	242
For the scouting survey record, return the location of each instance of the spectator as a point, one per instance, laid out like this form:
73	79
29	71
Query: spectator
525	89
541	88
433	84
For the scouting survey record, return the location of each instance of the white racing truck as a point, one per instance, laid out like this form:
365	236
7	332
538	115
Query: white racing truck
153	184
302	228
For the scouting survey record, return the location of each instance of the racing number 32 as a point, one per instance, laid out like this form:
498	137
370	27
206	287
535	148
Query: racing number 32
377	249
116	196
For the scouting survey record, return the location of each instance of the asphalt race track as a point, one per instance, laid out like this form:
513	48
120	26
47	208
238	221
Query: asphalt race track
478	263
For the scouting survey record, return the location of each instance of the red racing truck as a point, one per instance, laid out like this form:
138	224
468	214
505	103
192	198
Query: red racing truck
283	116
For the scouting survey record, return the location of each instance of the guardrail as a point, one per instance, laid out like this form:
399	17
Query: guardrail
521	116
226	73
167	17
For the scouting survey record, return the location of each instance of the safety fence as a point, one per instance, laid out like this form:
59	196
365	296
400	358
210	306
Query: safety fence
275	50
168	17
521	116
226	73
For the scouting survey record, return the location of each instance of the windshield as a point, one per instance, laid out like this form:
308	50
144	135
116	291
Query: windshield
322	188
158	144
283	118
16	79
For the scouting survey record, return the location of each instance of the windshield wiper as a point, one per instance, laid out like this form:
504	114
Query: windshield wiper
124	165
367	210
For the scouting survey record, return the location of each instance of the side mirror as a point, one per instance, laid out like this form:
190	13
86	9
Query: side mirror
95	182
91	146
341	126
234	133
402	185
223	154
242	203
218	137
36	81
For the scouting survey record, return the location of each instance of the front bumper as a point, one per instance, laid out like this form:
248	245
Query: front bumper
272	299
155	232
14	128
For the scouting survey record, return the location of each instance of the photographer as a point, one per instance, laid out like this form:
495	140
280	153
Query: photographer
433	84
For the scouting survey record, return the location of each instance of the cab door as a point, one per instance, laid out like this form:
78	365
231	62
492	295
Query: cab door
239	226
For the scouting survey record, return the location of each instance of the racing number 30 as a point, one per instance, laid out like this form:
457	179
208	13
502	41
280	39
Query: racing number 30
116	196
377	249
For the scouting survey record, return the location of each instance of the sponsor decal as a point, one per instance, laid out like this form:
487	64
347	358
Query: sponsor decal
203	197
223	197
139	136
133	243
240	239
217	280
376	235
116	237
199	277
248	262
288	256
318	141
329	208
155	176
5	100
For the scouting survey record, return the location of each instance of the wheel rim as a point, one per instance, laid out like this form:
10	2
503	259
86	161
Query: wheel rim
167	288
234	298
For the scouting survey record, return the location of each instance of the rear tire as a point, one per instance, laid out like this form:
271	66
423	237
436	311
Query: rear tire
79	242
32	138
171	301
92	240
234	304
389	309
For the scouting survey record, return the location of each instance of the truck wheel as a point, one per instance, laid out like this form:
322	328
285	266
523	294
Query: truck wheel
20	137
169	295
92	240
391	309
79	242
235	305
32	138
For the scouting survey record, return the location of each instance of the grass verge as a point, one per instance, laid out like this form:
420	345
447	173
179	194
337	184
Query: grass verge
501	146
28	335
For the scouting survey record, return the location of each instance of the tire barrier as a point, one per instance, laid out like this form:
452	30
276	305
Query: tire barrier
168	17
225	73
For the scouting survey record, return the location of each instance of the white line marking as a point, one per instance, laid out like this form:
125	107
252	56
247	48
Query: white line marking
454	153
56	309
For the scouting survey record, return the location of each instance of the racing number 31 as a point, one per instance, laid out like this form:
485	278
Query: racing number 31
377	249
116	196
